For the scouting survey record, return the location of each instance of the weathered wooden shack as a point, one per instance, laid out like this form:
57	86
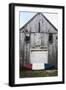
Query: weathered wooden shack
38	40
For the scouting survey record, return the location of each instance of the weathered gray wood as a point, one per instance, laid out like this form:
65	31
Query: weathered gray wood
21	47
32	40
45	26
27	53
40	28
52	51
39	39
44	40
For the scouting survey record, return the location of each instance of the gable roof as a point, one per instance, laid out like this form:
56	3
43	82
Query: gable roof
34	17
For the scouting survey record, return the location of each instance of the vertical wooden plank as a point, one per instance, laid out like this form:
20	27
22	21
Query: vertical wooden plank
56	50
32	40
26	48
37	39
21	47
44	39
27	53
52	57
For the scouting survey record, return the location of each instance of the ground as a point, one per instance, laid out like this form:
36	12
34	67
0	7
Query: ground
38	73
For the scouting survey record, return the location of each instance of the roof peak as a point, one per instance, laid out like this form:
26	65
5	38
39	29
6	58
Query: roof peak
41	13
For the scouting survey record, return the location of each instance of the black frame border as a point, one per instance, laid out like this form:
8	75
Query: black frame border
12	43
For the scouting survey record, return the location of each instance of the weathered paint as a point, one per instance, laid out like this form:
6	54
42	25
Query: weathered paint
38	56
52	49
39	29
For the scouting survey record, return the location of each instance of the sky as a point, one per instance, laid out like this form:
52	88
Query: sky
26	16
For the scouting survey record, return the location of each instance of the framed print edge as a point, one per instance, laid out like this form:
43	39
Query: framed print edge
63	38
12	44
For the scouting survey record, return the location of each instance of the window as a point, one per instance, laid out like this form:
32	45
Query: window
56	37
27	37
39	28
50	38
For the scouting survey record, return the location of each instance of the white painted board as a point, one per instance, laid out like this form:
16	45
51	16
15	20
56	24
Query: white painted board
38	56
38	66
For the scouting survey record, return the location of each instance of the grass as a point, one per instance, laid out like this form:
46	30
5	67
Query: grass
38	73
